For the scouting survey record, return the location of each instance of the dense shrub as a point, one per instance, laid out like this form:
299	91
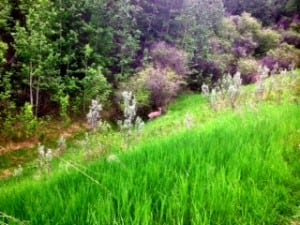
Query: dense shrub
292	38
228	29
244	46
225	62
270	63
248	24
3	48
284	23
218	45
248	68
64	102
95	87
156	87
265	11
285	55
137	85
165	56
164	85
267	39
204	71
296	26
292	6
21	126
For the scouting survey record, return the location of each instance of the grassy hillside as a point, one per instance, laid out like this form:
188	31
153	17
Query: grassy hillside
192	166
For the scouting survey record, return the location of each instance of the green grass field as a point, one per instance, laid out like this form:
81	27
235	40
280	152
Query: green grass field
232	167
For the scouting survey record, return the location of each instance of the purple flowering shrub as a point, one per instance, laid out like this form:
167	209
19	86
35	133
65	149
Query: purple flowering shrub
292	38
165	56
164	85
155	87
244	47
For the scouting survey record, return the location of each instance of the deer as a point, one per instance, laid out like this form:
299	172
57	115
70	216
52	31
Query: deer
155	114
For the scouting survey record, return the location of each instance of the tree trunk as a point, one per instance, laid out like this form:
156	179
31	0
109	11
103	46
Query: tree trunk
31	83
37	95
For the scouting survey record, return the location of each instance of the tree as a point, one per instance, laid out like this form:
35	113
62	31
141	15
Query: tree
122	20
292	6
6	104
198	25
266	11
34	49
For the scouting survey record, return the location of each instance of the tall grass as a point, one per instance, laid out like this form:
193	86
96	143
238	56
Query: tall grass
239	168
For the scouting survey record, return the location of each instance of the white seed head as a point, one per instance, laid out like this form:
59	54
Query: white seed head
113	158
49	155
205	90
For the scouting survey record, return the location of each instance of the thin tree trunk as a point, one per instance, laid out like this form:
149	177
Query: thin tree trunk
37	95
84	88
60	37
31	83
184	38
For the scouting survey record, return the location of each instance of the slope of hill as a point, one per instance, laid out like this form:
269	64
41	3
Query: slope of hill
192	166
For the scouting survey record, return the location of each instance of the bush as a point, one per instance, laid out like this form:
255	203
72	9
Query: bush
137	85
224	62
3	48
228	29
244	46
164	85
157	84
286	55
267	39
95	87
248	68
204	72
28	121
156	87
165	56
292	38
270	63
19	127
248	24
64	103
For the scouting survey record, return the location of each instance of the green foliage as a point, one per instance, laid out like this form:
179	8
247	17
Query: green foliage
28	121
292	37
5	8
224	61
156	87
292	6
198	25
296	89
3	48
36	51
248	68
266	11
64	106
8	122
19	126
50	49
137	85
228	30
267	39
122	23
248	24
95	86
287	54
5	90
